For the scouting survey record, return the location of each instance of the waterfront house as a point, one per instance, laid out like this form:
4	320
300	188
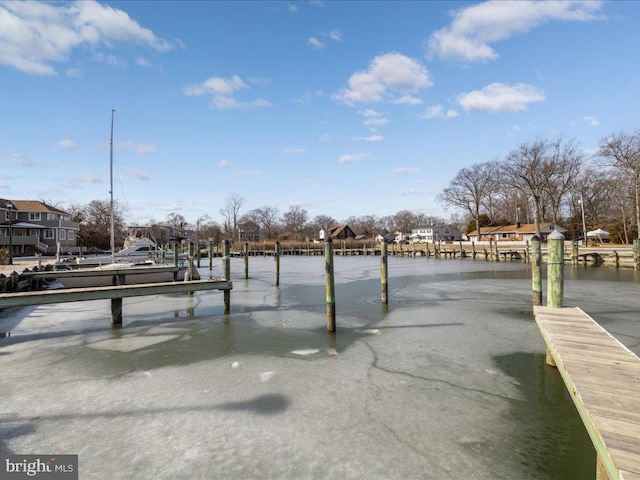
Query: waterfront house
514	233
341	232
36	228
248	232
434	233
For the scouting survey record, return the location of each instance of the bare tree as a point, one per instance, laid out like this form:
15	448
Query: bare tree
526	169
622	152
95	229
468	189
230	212
564	162
295	221
266	218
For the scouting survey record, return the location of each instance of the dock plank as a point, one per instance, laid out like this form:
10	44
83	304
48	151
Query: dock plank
603	378
21	299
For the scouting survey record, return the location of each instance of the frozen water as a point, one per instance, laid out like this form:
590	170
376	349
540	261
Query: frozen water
447	382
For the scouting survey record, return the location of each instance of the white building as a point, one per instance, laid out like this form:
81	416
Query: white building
434	233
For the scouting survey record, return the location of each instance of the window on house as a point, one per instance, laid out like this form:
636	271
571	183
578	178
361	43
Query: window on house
63	234
71	235
51	216
34	216
48	234
3	232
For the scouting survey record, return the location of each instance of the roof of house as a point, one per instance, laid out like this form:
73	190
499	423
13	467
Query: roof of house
34	206
527	229
335	231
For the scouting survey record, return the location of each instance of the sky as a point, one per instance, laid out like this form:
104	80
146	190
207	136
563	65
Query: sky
341	108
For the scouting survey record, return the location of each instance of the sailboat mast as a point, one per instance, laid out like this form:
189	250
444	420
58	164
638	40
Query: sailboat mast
113	237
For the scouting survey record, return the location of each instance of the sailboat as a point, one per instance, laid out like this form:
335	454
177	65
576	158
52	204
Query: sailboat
143	253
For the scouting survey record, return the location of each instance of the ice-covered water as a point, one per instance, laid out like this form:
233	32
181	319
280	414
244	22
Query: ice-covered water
447	382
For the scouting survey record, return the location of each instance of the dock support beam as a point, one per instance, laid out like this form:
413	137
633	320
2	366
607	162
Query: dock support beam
246	260
276	259
555	270
536	271
330	285
116	312
384	273
226	267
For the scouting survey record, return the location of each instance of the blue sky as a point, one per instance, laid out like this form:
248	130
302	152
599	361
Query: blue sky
341	108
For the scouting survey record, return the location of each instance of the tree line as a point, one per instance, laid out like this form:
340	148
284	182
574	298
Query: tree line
295	224
546	180
553	180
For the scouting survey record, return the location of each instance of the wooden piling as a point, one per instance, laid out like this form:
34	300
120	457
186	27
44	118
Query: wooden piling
246	260
276	258
574	253
536	270
190	262
226	268
384	274
210	256
116	312
330	285
555	270
175	261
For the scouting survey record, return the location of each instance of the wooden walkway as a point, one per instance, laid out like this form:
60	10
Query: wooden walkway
114	293
603	378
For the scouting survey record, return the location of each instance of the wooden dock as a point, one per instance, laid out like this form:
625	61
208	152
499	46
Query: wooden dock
603	379
114	293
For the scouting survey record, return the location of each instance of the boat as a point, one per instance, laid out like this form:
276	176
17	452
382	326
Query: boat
136	250
141	261
131	273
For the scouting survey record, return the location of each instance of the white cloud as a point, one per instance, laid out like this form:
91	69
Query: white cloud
376	122
66	144
324	137
407	100
387	76
405	171
500	97
92	178
139	174
371	113
139	149
33	35
305	97
251	173
18	159
437	111
223	92
373	118
315	43
74	72
224	164
293	8
370	138
294	150
475	28
335	35
217	86
354	157
142	62
592	121
412	191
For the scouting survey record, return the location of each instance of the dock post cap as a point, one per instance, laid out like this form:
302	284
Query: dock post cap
555	235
